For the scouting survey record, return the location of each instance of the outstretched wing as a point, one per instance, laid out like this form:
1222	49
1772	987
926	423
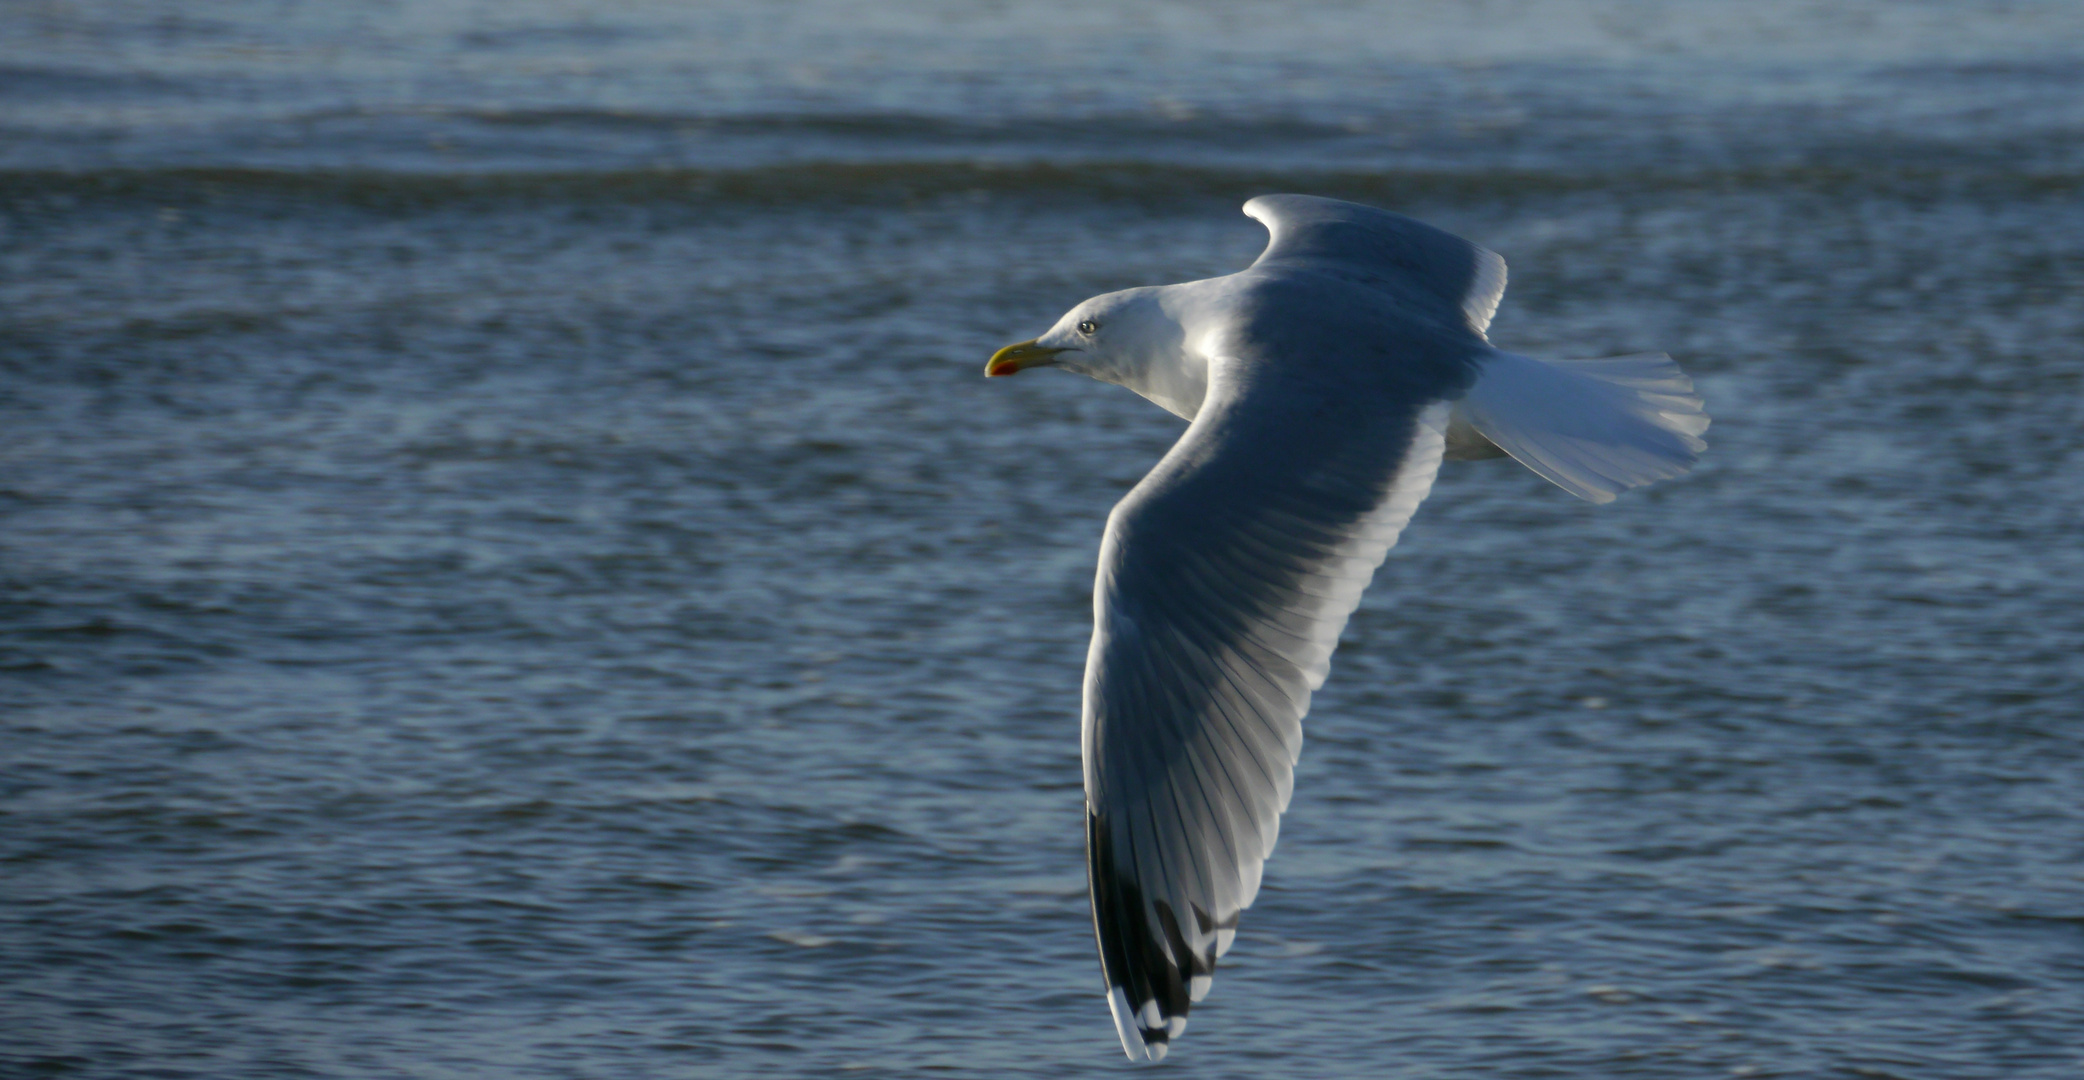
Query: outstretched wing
1225	579
1442	274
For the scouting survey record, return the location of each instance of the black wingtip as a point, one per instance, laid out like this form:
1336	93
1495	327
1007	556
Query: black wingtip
1147	991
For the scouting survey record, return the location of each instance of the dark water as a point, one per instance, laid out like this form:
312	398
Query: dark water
508	568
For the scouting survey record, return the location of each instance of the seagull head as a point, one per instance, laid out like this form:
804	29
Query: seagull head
1109	337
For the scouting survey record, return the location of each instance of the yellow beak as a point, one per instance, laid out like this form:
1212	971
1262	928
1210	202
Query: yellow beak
1014	359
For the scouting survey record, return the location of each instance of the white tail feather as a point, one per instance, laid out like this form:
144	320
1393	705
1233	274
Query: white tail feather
1594	428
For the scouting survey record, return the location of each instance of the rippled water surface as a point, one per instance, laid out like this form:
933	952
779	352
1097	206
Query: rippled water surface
508	567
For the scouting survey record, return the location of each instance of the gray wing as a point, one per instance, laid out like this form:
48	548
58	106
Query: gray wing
1440	273
1225	579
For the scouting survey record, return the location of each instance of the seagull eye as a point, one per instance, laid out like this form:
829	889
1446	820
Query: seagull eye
1088	327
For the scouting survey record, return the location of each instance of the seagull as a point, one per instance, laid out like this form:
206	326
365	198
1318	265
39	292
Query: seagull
1323	385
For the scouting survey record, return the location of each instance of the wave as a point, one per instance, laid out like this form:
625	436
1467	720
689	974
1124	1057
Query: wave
1168	120
900	182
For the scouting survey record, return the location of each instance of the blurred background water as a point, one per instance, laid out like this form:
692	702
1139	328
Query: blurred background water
508	566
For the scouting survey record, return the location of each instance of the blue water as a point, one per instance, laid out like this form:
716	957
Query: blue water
508	566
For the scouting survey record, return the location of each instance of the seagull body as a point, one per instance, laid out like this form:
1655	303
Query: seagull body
1323	386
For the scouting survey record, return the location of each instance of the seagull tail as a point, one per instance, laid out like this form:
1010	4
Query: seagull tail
1594	428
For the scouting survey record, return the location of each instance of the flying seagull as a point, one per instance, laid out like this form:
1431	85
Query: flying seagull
1323	386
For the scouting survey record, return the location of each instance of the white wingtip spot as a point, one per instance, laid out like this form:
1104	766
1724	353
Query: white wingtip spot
1125	1027
1197	986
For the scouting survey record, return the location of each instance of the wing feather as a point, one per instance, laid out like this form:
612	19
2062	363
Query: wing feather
1450	278
1225	579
